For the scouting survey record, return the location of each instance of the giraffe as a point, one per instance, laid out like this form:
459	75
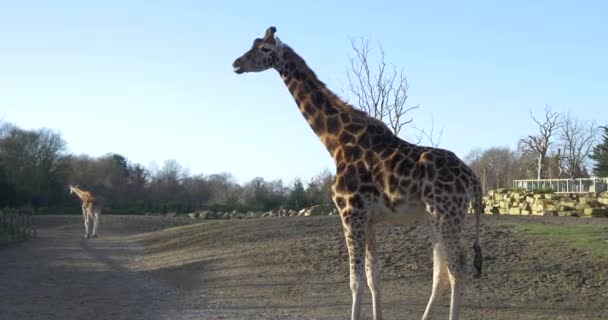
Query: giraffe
379	178
91	209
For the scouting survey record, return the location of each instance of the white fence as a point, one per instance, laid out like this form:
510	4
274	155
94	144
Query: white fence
565	185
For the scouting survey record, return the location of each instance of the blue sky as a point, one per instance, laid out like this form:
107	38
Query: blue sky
152	80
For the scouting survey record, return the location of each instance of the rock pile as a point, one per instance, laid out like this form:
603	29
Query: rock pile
518	202
318	210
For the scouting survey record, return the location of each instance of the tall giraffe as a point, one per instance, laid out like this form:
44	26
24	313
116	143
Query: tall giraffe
91	209
379	178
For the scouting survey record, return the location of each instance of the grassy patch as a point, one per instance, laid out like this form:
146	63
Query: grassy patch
591	238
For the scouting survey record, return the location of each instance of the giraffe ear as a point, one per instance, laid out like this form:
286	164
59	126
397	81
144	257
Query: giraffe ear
269	36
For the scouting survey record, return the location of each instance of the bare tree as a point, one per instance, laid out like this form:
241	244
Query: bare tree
577	141
539	144
495	167
380	90
432	137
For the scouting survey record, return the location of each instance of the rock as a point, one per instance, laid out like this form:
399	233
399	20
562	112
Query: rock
551	196
170	214
595	212
551	213
539	196
194	215
515	210
320	210
588	201
567	205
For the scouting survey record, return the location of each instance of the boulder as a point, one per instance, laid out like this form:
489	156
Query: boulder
515	210
567	205
194	215
550	213
319	210
595	212
567	213
551	196
603	201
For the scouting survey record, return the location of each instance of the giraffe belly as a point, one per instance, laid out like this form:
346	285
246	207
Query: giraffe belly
403	214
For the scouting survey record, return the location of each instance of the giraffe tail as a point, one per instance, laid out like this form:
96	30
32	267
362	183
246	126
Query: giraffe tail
478	205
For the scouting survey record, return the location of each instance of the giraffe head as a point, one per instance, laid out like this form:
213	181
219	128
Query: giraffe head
72	187
264	54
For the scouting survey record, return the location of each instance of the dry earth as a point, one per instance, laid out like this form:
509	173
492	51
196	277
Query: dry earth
283	268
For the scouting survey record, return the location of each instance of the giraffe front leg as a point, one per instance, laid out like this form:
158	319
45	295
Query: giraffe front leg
372	270
354	233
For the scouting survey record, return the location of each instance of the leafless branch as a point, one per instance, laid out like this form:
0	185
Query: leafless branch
379	91
539	144
577	141
433	140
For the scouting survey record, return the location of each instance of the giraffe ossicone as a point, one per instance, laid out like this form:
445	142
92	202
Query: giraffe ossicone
379	178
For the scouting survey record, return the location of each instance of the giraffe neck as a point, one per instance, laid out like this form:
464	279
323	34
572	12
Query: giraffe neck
323	110
83	195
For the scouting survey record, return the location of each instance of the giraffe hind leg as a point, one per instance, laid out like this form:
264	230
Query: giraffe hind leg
446	229
450	236
440	278
95	222
86	225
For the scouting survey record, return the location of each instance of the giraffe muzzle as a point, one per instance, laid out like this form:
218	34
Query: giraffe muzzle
236	66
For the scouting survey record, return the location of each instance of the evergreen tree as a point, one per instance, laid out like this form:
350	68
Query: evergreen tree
297	197
600	155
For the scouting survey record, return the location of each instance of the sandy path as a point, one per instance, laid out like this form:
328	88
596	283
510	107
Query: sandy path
62	276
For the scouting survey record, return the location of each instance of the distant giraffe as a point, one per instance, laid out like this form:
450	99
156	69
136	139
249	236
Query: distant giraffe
91	209
379	178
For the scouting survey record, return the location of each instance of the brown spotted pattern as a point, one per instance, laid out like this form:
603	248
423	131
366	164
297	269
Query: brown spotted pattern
379	178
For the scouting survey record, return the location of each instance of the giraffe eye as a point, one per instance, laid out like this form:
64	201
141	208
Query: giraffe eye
265	49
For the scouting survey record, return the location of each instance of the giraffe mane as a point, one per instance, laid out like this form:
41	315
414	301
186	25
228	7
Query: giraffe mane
335	99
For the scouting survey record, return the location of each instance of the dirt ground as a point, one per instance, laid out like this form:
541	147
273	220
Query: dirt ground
283	268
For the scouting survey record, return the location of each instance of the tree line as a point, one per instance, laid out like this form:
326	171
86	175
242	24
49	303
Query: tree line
36	168
563	147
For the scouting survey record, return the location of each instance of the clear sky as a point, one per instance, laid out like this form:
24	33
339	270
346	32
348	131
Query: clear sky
153	80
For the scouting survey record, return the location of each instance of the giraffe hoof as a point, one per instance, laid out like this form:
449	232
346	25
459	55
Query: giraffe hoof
86	236
94	236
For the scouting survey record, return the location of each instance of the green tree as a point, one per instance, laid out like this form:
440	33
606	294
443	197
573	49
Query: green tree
600	155
297	197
